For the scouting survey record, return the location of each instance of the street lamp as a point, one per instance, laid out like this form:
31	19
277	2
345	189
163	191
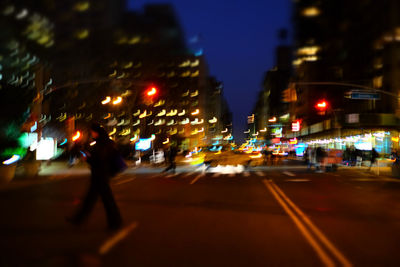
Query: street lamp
117	101
106	100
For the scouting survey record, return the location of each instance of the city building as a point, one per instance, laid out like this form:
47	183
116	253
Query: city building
105	59
270	115
26	38
346	62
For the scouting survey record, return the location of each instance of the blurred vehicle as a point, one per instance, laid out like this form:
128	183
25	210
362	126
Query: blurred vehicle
332	159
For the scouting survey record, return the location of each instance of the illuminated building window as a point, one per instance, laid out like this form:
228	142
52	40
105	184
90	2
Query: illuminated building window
311	58
185	74
310	11
81	6
308	51
195	63
377	81
195	74
22	14
82	34
378	63
297	62
128	65
185	64
122	40
134	40
8	10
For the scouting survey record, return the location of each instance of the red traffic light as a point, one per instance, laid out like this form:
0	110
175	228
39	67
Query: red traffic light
322	105
151	91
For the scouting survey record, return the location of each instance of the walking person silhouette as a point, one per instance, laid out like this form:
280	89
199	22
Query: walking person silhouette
99	156
172	152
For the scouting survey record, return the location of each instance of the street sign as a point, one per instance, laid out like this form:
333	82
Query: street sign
363	95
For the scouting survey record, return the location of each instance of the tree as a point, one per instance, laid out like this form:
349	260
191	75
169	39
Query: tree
14	110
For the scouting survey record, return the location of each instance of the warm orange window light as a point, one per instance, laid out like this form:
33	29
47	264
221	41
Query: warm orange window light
117	101
76	136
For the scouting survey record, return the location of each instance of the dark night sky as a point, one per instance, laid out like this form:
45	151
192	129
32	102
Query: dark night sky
238	38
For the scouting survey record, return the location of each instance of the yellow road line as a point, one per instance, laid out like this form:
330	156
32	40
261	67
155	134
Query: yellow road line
282	198
318	249
125	181
196	178
110	243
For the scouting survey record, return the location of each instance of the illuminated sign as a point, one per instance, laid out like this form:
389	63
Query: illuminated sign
143	144
295	126
46	149
277	132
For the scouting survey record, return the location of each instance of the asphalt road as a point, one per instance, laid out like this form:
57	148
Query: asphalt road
264	217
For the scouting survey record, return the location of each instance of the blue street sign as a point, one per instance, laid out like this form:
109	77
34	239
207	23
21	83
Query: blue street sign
365	95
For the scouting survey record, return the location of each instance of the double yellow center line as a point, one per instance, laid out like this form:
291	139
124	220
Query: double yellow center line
324	248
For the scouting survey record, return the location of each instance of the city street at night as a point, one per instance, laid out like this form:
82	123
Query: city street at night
199	133
267	216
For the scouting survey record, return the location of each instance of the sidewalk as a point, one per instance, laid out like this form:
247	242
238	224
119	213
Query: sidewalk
48	173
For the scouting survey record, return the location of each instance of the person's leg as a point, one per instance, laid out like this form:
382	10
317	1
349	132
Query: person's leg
173	167
87	205
113	214
168	168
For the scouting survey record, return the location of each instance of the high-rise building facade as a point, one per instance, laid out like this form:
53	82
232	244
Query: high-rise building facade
347	54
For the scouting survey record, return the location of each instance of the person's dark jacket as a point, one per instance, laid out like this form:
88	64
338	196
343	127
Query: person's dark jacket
100	157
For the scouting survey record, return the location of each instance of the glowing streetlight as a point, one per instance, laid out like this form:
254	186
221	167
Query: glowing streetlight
117	101
213	120
152	91
196	112
106	101
76	136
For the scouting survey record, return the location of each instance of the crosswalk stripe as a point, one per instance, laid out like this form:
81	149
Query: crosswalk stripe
289	173
247	174
172	175
125	181
260	173
297	180
197	178
189	174
110	243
